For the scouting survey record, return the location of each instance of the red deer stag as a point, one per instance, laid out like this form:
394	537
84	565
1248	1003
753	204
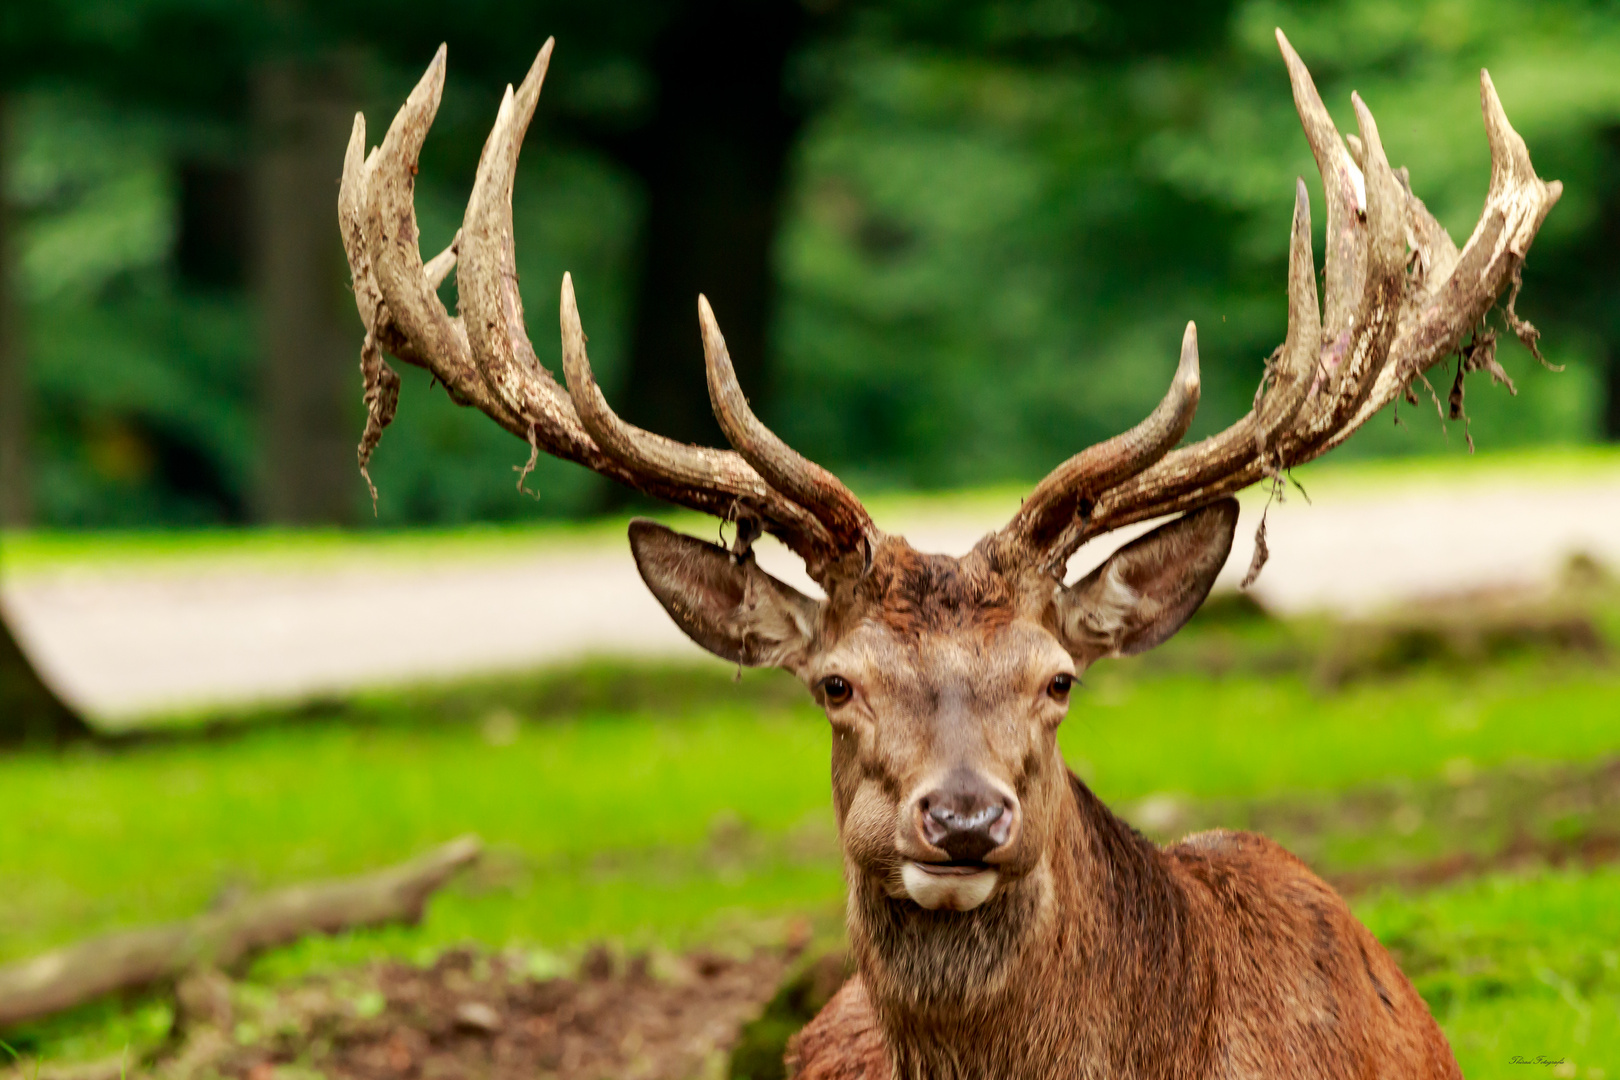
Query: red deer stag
1004	922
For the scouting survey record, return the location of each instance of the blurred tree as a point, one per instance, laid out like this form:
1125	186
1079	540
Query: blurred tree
1417	65
16	504
212	248
948	242
303	112
713	154
1600	289
991	249
692	99
688	97
1586	282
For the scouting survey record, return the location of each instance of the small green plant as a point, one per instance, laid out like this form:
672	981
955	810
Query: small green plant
17	1057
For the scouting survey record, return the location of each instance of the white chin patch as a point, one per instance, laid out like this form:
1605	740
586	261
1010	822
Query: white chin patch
947	891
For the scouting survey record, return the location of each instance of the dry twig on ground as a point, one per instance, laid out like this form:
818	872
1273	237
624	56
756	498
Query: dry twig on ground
75	974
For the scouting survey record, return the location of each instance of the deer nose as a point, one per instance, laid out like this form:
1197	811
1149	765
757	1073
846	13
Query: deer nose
966	817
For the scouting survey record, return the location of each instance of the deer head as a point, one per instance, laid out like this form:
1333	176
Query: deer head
944	679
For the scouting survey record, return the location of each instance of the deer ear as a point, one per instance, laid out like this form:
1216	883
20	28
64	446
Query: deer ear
1148	589
727	605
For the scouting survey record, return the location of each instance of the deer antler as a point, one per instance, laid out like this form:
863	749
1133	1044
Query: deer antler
484	357
1381	327
1388	315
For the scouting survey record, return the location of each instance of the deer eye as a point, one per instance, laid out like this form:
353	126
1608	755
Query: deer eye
1060	686
836	689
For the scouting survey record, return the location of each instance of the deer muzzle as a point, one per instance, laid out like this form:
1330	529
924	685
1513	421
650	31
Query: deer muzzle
957	830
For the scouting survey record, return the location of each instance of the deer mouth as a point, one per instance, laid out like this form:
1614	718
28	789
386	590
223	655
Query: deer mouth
959	868
948	886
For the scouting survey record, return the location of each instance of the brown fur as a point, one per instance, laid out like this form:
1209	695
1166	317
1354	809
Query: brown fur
1074	947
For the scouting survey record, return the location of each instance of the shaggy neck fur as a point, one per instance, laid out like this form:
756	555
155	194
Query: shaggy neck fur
1048	978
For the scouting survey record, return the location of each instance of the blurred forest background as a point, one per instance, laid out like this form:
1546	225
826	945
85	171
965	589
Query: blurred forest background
950	243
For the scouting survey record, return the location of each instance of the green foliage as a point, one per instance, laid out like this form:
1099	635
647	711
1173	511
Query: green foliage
144	393
991	259
999	217
147	390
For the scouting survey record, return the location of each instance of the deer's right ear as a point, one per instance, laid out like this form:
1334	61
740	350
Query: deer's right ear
730	607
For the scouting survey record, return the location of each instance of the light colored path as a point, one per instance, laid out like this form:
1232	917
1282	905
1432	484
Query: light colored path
128	643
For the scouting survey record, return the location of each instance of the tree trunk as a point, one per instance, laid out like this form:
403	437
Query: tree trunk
1596	275
1611	410
713	158
16	509
309	334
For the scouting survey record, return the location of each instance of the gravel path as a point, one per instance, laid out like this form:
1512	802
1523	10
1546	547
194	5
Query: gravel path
129	643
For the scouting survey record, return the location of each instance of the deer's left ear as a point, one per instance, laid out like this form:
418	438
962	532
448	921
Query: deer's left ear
730	607
1148	589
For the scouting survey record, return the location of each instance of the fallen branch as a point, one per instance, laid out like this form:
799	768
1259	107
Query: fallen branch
70	976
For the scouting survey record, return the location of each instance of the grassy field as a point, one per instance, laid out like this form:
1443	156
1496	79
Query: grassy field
1515	967
706	817
103	839
667	807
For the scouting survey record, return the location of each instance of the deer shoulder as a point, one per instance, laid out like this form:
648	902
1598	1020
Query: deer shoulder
1297	975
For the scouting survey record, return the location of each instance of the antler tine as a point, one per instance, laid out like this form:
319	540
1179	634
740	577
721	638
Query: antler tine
1296	370
487	283
1365	268
1380	328
1510	158
1050	518
571	422
800	479
389	228
649	454
1344	187
1516	204
352	196
1354	356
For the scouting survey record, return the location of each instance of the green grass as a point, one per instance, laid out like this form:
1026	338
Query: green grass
669	806
1250	735
1526	967
623	823
101	840
32	552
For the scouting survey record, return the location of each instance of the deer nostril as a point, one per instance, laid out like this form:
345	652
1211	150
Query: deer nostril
967	818
976	820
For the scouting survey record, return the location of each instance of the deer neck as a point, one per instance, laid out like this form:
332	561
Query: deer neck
1088	967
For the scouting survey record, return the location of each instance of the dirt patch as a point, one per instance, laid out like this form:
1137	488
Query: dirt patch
1589	850
474	1015
1419	834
